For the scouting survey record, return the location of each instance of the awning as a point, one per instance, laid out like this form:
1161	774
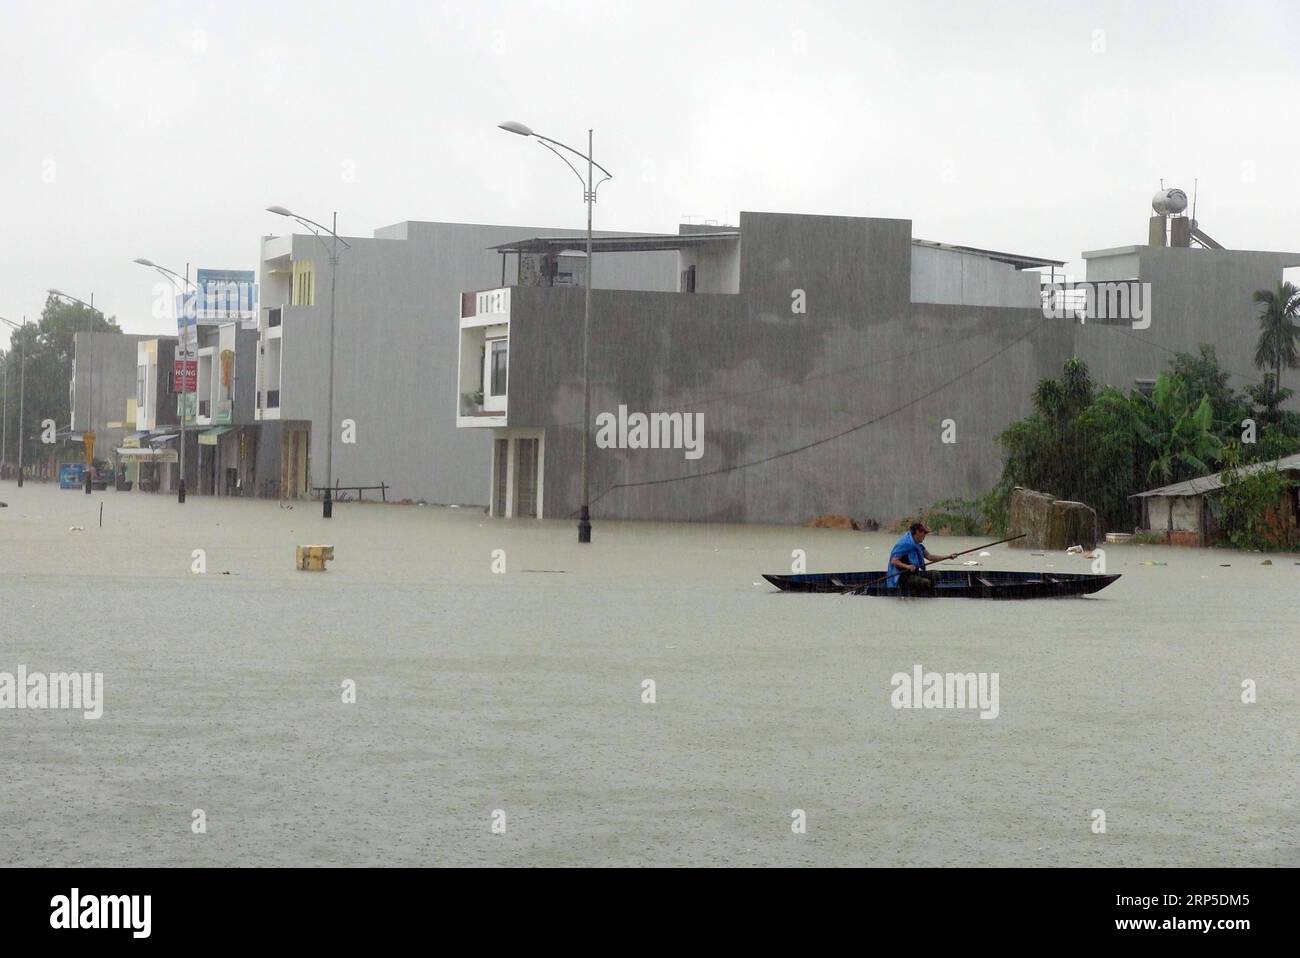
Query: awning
159	440
147	455
133	441
209	436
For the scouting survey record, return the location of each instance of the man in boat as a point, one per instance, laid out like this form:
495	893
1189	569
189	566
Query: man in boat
907	562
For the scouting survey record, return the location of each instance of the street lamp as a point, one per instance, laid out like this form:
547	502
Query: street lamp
90	386
176	278
22	392
328	507
589	194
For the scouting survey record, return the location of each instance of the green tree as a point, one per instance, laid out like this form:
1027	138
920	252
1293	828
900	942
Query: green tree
1269	398
49	350
1179	435
61	321
1278	311
1077	444
1253	506
1204	377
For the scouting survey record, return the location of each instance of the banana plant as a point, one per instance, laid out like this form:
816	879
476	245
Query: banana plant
1180	436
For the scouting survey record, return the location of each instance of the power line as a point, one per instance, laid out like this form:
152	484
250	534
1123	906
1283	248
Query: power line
839	435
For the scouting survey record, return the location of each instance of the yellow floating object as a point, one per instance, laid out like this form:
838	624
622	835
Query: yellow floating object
313	558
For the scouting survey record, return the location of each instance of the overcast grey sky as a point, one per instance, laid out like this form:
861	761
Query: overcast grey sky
163	129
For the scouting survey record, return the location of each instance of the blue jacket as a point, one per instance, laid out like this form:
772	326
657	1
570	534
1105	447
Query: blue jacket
910	551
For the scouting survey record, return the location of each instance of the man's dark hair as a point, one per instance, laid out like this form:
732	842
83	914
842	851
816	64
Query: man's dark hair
916	527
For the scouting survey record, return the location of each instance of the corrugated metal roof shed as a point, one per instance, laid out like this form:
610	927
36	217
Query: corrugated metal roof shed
1203	484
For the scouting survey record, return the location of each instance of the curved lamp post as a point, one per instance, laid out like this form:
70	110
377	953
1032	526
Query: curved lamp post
182	281
22	392
589	195
317	228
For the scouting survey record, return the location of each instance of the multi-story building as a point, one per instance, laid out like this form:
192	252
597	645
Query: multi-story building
395	359
804	365
151	452
103	387
813	364
226	433
1188	296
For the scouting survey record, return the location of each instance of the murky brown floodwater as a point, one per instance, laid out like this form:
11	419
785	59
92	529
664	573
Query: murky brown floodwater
523	692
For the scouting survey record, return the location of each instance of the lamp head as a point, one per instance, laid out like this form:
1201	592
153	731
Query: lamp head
145	262
279	211
514	126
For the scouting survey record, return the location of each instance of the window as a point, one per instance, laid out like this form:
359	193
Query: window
500	354
139	386
1145	386
688	279
304	283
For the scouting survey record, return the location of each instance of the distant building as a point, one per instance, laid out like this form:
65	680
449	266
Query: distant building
102	390
820	364
225	428
837	365
395	365
1190	296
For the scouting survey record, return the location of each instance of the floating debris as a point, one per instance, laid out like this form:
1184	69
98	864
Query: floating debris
76	528
1074	551
1267	562
1225	565
1149	562
985	555
970	562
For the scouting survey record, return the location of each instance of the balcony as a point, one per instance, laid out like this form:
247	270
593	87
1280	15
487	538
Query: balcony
484	358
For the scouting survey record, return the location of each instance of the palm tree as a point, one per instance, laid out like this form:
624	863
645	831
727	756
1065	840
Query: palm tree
1278	311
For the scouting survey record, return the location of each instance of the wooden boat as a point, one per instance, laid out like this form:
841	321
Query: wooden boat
953	584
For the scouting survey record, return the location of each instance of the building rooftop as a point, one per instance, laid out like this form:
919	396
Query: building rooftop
648	242
1011	259
651	242
1292	258
1203	484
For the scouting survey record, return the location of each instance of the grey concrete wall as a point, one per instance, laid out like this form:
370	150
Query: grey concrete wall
113	357
964	279
1197	296
717	266
836	410
397	343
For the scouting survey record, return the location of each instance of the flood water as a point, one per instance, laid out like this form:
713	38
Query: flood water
482	693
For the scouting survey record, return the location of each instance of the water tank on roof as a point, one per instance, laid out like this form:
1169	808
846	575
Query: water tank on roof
1169	202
